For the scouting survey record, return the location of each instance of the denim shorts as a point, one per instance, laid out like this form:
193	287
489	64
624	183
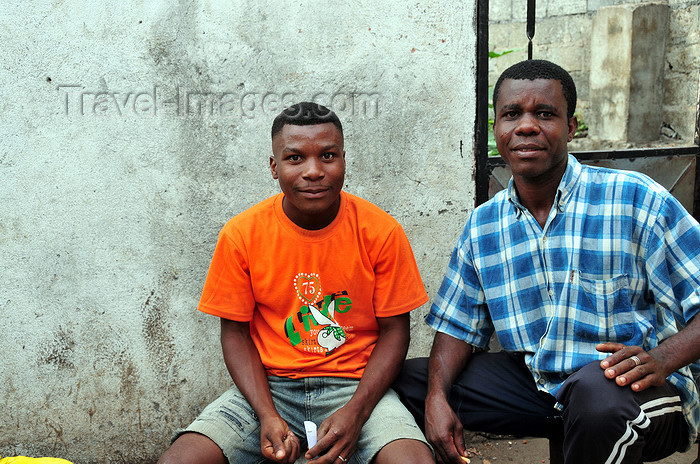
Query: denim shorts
233	425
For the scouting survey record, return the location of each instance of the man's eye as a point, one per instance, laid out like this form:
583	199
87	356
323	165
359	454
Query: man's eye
294	158
328	156
545	114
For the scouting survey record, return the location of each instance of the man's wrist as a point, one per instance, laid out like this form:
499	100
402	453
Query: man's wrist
268	414
359	409
436	395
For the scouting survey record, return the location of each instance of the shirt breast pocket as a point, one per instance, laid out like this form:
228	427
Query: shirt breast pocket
602	309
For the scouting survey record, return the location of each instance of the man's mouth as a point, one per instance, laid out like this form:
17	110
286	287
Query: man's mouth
313	192
526	149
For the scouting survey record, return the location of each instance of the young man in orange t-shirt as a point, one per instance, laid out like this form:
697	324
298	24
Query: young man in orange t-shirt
313	287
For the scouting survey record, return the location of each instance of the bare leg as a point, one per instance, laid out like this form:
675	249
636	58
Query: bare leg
193	448
405	451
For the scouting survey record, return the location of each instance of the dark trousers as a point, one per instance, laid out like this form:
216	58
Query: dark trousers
599	422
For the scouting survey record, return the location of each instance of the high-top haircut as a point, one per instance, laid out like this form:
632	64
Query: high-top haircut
305	114
540	69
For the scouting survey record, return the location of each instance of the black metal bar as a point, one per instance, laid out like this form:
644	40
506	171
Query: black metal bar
697	115
618	154
635	152
696	196
481	126
530	30
696	193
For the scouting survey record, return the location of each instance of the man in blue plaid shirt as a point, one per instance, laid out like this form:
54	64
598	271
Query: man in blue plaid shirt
590	278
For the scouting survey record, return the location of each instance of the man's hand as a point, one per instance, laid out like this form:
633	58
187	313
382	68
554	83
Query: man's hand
277	442
337	436
444	431
631	365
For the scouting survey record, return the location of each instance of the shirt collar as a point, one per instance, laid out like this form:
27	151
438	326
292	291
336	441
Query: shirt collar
566	187
568	182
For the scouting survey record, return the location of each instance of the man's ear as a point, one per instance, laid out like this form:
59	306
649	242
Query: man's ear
273	167
573	127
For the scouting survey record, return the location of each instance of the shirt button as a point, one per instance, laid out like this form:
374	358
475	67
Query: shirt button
541	381
551	293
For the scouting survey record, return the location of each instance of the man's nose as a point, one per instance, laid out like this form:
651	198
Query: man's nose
313	169
527	124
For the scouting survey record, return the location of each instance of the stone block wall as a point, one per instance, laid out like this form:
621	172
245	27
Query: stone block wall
563	35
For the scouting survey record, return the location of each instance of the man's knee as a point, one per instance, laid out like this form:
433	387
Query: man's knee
591	398
193	448
405	451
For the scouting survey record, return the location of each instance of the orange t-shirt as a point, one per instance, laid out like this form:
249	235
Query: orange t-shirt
312	296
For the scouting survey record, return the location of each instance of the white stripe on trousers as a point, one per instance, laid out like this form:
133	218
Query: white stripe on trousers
642	421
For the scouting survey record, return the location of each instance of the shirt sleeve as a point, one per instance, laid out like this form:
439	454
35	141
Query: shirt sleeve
460	309
673	261
227	290
398	286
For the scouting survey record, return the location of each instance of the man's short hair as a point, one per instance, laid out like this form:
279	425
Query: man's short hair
540	69
305	114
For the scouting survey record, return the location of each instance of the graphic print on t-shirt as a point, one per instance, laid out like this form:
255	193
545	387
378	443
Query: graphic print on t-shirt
314	327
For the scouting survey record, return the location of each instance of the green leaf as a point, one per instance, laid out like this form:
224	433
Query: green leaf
496	54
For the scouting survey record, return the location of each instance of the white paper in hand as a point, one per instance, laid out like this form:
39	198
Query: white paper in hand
310	428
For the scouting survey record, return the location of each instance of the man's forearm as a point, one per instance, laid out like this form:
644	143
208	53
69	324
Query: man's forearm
681	349
277	442
384	364
448	357
243	362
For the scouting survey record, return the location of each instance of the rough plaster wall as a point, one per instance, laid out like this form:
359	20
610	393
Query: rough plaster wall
133	130
682	67
563	35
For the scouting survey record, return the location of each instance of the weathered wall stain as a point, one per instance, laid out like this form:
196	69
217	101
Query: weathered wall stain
55	436
155	328
59	351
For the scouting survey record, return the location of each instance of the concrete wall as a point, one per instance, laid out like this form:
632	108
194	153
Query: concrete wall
627	72
131	131
563	35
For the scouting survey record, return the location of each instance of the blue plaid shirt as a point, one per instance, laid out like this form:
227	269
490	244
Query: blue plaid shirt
618	260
